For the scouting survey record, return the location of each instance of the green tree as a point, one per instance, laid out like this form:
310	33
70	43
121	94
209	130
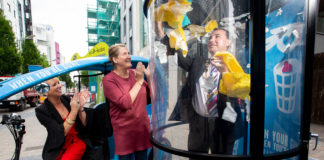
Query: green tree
67	79
85	80
10	60
44	61
32	56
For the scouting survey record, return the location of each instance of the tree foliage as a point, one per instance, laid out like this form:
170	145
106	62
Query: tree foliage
85	80
67	79
43	61
10	60
32	56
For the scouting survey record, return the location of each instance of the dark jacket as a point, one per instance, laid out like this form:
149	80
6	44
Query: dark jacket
98	128
194	64
52	121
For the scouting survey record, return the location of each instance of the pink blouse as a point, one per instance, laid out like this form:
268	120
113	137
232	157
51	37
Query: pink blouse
130	121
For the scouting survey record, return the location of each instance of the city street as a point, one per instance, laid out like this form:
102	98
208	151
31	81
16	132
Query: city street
33	140
35	136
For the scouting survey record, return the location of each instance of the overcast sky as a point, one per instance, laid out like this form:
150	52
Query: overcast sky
69	21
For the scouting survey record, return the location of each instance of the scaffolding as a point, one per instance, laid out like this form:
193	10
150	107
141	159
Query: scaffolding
103	23
103	26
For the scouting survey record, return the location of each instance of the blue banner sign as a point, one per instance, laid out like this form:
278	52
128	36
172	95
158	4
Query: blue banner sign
22	82
32	68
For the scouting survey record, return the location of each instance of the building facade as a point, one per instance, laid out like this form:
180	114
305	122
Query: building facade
133	30
103	26
103	23
319	38
44	41
18	13
57	53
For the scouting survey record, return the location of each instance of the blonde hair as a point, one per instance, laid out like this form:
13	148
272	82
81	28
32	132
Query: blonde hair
114	51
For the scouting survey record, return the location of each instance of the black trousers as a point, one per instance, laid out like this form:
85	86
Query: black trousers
212	134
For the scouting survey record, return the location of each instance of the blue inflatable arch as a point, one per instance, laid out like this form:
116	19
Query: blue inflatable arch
22	82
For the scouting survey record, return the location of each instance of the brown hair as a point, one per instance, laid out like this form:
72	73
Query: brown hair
114	51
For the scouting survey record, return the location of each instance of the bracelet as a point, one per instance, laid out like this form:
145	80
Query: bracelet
70	122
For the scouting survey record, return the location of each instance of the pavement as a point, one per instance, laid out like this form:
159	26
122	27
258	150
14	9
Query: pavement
319	152
33	140
35	137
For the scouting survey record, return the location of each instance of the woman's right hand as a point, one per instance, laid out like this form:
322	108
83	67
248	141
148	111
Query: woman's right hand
75	102
139	72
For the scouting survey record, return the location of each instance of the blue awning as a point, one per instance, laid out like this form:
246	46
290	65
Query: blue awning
22	82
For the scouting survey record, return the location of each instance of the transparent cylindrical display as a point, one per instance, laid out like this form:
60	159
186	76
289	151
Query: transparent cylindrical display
200	75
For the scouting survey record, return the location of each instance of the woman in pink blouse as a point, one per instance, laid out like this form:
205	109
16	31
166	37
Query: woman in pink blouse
128	93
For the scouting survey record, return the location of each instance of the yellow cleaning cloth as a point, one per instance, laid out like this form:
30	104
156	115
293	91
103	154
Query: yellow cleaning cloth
235	83
172	12
178	40
211	25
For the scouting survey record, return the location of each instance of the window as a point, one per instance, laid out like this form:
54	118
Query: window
130	16
131	45
320	22
8	5
145	32
125	26
14	13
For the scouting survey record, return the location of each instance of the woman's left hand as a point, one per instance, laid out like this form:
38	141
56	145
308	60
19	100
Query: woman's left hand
84	96
139	72
147	72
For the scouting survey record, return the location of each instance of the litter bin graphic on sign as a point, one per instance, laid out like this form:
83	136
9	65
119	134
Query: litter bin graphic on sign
285	77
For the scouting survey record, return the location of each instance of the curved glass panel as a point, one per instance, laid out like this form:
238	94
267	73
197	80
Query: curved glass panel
285	59
200	75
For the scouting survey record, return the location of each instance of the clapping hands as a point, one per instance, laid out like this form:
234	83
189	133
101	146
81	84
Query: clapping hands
79	99
140	71
84	96
75	102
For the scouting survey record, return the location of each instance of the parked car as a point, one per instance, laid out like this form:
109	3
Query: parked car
19	100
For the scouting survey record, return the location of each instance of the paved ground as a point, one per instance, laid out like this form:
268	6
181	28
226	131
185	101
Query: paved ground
319	152
33	140
36	134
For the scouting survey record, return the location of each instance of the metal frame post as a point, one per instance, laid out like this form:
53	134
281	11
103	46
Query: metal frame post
257	78
311	15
